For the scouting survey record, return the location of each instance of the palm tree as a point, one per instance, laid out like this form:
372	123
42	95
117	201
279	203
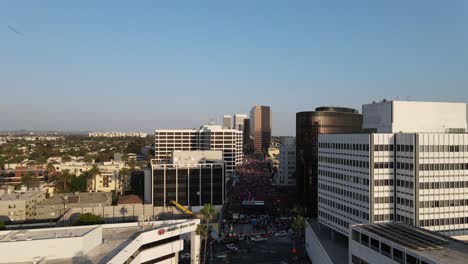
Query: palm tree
207	213
92	173
50	167
123	175
202	230
65	178
298	223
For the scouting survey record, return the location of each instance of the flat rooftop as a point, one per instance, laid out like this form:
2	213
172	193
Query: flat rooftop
337	249
437	247
40	234
18	196
114	239
78	198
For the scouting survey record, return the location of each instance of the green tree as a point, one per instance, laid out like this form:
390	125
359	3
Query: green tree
50	167
65	179
92	173
88	158
89	219
66	158
78	184
202	231
298	224
207	213
29	179
124	175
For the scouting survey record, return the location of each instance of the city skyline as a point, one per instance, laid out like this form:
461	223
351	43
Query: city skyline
118	67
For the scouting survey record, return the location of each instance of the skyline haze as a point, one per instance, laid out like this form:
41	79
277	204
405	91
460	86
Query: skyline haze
112	66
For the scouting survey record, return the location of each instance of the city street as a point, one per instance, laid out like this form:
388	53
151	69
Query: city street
274	250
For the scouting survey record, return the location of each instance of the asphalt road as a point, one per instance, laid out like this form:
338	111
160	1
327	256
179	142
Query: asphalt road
274	250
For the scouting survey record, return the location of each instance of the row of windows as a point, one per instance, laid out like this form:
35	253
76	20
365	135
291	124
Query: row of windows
334	219
344	177
443	166
443	148
397	255
343	192
356	260
383	217
344	208
345	146
346	162
383	182
383	200
443	185
383	165
404	219
405	184
404	201
444	221
443	203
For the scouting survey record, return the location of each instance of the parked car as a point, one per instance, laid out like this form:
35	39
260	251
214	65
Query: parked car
281	233
257	238
185	256
231	247
241	238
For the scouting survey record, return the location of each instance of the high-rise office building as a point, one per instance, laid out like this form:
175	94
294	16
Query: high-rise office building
287	162
191	178
412	167
308	127
260	127
227	121
208	137
239	121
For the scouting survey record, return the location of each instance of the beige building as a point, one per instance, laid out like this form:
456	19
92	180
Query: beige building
260	127
55	206
19	205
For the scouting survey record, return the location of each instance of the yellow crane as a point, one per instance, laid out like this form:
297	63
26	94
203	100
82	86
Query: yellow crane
181	207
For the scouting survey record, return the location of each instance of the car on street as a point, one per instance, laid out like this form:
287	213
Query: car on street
241	238
257	238
185	256
281	233
232	247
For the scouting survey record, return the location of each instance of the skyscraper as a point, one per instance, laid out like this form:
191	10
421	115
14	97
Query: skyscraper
239	121
411	167
308	126
260	127
227	121
208	137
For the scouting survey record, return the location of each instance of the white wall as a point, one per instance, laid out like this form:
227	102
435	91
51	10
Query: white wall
54	248
314	248
413	117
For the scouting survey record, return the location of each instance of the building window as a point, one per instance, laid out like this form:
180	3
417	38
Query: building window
375	244
385	250
398	256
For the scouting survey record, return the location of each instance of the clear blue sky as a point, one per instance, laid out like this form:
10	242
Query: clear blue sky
142	65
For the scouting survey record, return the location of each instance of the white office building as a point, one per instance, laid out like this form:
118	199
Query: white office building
393	243
239	121
143	242
208	137
287	162
227	121
398	172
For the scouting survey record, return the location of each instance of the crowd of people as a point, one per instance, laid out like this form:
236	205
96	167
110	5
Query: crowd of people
252	184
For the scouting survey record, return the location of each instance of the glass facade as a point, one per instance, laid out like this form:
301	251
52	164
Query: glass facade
325	120
196	185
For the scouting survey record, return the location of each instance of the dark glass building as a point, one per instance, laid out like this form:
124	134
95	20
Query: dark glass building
324	120
188	184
